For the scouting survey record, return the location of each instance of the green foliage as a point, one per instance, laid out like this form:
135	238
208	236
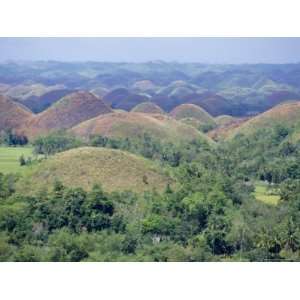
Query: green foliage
9	138
55	142
149	147
216	213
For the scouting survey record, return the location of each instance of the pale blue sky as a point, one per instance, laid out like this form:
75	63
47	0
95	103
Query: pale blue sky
206	50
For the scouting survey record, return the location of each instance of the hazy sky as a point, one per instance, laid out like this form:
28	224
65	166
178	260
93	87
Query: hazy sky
206	50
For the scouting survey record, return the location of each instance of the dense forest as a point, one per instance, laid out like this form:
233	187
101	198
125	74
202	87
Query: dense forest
211	214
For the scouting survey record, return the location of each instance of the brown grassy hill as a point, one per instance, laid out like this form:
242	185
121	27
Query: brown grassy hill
122	98
39	103
24	91
185	111
67	112
12	114
287	114
148	108
214	104
224	131
224	120
123	125
83	167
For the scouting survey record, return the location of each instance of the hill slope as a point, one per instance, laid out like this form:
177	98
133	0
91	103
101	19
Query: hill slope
130	125
83	167
185	111
39	103
12	114
212	103
67	112
224	120
148	108
286	114
122	98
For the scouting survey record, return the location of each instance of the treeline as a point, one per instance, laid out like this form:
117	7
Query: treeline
209	218
9	137
145	145
268	154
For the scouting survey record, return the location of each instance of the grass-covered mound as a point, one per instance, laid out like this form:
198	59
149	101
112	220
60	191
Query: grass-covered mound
285	114
12	114
185	111
222	132
83	167
224	120
148	108
128	125
66	113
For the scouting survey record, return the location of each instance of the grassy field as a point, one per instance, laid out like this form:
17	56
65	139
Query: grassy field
9	158
264	194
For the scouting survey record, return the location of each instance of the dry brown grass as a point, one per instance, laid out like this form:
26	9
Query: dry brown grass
67	112
224	131
123	125
285	114
224	120
185	111
13	115
148	108
83	167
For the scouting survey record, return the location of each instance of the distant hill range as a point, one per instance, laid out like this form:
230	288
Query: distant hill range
237	90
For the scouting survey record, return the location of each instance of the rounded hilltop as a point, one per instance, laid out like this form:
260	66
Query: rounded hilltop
83	167
148	108
135	125
66	113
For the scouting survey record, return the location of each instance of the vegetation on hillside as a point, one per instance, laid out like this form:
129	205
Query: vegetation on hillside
217	211
138	186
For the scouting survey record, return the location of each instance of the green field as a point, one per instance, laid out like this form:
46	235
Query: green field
9	158
265	194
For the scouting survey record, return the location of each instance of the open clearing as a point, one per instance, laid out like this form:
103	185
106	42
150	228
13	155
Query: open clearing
265	194
9	158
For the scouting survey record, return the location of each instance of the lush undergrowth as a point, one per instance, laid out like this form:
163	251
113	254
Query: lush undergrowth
237	201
